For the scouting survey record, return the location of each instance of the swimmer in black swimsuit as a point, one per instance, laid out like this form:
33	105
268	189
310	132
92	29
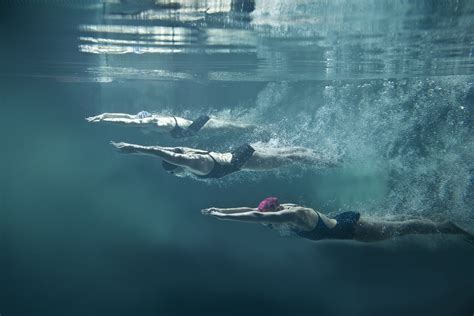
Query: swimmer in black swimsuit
310	224
177	127
208	164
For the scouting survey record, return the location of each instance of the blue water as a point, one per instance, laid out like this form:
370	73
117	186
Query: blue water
85	231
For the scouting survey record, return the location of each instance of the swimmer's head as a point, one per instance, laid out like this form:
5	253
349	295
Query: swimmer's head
143	114
270	204
173	169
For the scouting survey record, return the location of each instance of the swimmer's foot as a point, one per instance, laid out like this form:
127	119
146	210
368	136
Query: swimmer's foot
334	162
469	239
449	227
321	161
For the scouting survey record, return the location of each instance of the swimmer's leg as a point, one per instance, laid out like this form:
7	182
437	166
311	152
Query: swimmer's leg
401	217
215	124
266	160
200	164
376	230
293	150
313	159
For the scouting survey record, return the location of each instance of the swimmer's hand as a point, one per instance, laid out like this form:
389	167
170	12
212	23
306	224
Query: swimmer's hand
95	119
123	148
209	211
213	212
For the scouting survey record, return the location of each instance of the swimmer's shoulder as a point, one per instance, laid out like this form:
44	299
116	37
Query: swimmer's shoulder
291	206
164	121
302	210
307	217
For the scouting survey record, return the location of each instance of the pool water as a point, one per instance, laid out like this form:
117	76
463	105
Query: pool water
388	85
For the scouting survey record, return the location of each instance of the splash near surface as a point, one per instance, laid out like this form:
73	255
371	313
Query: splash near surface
414	133
417	132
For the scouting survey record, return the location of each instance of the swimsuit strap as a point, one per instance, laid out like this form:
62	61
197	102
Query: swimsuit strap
217	171
176	131
214	159
240	156
191	130
320	220
344	228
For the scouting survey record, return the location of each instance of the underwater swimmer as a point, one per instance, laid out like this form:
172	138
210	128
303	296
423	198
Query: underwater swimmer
177	127
310	224
209	164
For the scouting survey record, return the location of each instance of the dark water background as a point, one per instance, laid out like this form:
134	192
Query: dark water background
85	231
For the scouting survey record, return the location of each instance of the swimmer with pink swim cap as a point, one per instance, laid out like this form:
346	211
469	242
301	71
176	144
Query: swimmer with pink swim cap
269	204
313	225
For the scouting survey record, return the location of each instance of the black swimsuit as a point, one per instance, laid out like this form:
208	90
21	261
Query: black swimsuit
191	130
240	156
344	228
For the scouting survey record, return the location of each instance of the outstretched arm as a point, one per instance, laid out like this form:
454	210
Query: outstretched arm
102	116
178	159
283	216
197	164
207	211
122	119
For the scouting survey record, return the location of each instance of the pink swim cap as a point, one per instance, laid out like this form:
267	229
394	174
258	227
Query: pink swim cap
268	204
